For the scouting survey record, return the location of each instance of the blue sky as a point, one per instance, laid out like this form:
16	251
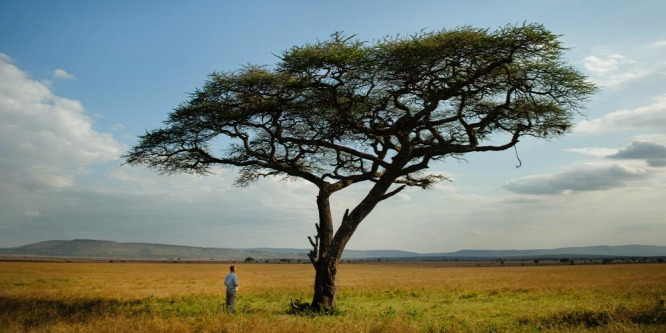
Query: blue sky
80	80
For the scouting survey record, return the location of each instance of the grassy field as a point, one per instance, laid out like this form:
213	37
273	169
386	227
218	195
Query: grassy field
119	297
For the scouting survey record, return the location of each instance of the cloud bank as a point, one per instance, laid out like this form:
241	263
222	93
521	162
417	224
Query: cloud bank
45	140
654	154
583	178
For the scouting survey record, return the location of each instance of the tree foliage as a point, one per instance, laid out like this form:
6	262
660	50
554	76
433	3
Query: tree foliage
342	111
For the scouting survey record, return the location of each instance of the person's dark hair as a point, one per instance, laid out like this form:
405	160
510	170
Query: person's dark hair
232	268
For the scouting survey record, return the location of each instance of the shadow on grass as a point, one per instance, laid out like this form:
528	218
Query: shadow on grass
32	313
653	315
305	309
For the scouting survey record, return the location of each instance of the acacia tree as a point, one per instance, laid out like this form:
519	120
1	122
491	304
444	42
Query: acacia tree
341	112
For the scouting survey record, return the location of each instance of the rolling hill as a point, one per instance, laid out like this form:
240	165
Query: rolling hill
90	248
604	250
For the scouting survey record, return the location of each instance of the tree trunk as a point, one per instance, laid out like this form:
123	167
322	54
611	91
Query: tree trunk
324	263
331	246
324	288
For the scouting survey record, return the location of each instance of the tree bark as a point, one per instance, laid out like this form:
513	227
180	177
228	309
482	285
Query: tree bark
331	246
324	264
325	291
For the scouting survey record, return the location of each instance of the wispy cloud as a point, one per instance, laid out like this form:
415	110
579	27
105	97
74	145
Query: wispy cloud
599	65
62	74
652	117
117	127
593	151
659	138
613	70
659	43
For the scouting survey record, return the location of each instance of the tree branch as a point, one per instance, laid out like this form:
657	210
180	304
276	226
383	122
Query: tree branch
392	193
315	248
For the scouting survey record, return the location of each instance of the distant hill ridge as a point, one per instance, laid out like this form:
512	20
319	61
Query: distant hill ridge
603	250
91	248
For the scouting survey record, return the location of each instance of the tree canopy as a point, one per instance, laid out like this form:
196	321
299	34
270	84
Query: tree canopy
342	111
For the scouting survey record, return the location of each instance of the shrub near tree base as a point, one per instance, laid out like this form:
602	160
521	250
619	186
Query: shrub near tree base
341	112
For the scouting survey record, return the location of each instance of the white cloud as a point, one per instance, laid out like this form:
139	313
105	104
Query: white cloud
636	165
615	80
600	66
579	178
117	127
659	138
5	59
62	74
652	117
45	140
612	70
659	43
648	148
593	151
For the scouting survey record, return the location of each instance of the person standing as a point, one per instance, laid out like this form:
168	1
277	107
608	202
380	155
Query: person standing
231	282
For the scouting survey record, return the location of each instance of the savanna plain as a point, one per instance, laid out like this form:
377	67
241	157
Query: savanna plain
377	297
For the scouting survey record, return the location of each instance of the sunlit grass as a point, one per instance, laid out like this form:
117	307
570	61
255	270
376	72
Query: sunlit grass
372	298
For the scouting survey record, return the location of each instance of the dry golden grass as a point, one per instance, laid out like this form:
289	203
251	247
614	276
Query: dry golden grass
147	297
